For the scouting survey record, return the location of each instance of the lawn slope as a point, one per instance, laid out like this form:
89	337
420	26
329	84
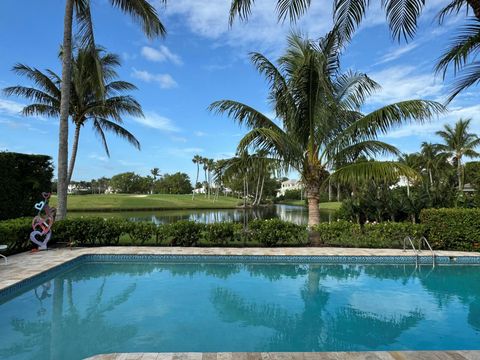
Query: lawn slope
124	202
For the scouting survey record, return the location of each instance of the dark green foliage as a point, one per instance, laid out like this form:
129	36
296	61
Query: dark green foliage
89	231
452	229
142	232
222	233
24	178
16	233
178	183
182	233
382	235
131	183
276	232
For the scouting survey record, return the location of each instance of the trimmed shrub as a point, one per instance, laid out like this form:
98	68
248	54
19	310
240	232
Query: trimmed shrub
381	235
16	234
23	180
89	231
221	233
142	232
452	229
181	233
276	232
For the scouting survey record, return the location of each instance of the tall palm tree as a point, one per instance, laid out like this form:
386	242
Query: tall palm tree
459	142
155	173
197	160
431	160
105	114
142	12
321	122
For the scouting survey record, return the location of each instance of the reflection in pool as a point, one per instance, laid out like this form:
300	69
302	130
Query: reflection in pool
295	214
176	307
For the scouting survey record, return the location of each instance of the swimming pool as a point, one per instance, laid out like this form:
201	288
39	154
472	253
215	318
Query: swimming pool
103	304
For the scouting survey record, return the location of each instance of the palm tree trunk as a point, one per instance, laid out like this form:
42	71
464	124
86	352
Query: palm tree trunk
330	190
73	156
459	174
261	190
257	190
195	185
62	181
338	192
431	177
313	209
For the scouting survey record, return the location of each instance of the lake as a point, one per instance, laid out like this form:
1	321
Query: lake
295	214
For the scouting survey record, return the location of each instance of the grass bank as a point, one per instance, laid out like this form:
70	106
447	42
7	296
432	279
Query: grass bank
131	202
323	206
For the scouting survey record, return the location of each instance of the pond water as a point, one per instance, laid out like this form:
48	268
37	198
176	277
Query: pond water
295	214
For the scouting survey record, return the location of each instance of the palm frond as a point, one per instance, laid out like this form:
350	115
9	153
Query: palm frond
453	8
402	17
292	9
465	44
378	171
143	13
389	116
353	88
348	14
469	76
243	114
118	130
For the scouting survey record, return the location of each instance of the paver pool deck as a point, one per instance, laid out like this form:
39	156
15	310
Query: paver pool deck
25	265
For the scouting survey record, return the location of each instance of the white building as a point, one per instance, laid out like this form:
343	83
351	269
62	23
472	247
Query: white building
289	185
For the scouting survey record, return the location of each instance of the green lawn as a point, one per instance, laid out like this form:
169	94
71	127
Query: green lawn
324	206
144	202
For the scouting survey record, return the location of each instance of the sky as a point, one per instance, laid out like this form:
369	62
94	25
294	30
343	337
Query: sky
202	60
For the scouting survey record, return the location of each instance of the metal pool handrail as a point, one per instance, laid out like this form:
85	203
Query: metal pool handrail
423	239
413	247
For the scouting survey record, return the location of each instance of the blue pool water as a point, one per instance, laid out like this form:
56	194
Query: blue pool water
102	307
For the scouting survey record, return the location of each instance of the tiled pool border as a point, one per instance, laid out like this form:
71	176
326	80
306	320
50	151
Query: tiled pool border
13	289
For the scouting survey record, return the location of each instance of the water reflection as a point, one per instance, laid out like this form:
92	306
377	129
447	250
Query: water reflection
295	214
164	307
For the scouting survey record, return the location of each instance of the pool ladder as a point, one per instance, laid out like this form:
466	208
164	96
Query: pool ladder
422	240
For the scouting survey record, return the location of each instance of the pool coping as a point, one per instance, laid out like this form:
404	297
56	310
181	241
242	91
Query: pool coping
370	355
27	266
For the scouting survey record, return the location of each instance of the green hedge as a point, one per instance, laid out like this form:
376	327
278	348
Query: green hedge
383	235
24	178
452	229
96	231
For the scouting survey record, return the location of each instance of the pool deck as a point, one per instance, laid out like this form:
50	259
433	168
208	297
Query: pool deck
26	265
374	355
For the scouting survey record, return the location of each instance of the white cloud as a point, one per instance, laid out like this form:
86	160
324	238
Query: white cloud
155	121
185	152
165	81
403	83
95	156
162	54
397	52
10	107
179	139
200	133
209	19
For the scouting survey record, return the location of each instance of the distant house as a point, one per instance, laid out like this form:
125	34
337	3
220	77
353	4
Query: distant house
468	188
78	189
289	185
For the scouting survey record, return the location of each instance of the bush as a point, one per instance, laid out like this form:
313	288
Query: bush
221	233
181	233
16	234
276	232
89	231
142	232
23	179
452	229
381	235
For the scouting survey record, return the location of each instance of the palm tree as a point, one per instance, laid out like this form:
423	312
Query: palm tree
402	17
105	113
197	160
155	173
205	168
431	160
459	142
142	12
321	122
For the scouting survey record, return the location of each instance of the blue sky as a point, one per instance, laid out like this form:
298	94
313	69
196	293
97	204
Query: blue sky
202	60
